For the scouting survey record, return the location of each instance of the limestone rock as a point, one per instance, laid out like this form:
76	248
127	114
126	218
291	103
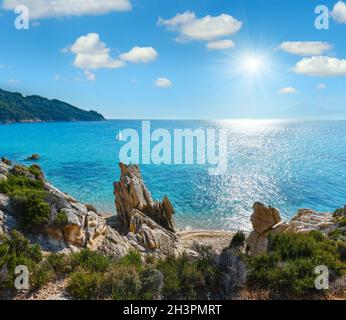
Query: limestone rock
307	220
264	218
256	243
131	193
152	236
114	244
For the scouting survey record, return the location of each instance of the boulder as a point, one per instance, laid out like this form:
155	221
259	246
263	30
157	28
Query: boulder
131	193
264	218
33	157
307	220
151	236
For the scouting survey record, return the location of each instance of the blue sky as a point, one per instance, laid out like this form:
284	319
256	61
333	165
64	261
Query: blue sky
172	73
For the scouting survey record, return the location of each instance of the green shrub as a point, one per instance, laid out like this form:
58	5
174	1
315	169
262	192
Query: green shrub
15	251
59	263
124	284
288	267
238	240
90	261
15	184
34	210
152	282
187	279
342	222
61	219
36	171
28	197
132	259
342	250
84	285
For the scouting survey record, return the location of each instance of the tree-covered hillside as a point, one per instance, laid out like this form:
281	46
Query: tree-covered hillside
14	107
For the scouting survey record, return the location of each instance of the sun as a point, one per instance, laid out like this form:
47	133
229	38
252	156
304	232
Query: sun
252	64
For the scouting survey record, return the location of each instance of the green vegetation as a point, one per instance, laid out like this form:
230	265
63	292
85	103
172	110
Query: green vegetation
16	251
27	195
14	107
61	219
238	240
288	268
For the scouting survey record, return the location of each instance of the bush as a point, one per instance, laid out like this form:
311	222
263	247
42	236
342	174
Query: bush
28	197
15	184
132	259
124	284
16	250
288	267
342	250
152	282
61	219
187	279
238	240
231	274
59	263
34	210
84	285
90	261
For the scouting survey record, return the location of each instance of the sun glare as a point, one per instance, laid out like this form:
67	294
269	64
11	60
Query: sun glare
252	64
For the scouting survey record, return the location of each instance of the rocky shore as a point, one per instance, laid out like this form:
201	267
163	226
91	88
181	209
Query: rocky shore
142	223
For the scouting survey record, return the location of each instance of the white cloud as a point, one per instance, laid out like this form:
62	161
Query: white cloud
40	9
339	12
321	66
288	90
140	55
13	81
91	53
321	86
207	28
89	75
57	77
163	83
305	48
220	45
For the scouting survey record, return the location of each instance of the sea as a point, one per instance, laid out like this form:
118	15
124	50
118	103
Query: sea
288	164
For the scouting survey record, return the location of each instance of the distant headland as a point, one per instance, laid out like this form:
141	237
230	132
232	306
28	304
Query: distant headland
14	107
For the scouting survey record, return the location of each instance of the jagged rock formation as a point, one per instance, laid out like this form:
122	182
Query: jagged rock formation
143	224
267	220
149	224
131	193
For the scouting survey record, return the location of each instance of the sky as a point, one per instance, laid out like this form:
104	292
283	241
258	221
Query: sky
181	59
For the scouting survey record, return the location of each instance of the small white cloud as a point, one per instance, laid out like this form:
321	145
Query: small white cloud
40	9
140	55
57	77
13	81
321	86
163	82
220	45
339	12
305	48
207	28
91	53
89	75
288	90
321	66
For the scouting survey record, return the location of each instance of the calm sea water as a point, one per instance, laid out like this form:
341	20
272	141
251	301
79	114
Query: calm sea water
287	164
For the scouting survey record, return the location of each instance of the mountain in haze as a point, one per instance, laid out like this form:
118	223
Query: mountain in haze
14	107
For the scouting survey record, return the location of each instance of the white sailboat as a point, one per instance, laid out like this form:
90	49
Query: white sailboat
119	136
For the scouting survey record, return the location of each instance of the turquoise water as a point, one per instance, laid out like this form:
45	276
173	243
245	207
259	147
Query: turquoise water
287	164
